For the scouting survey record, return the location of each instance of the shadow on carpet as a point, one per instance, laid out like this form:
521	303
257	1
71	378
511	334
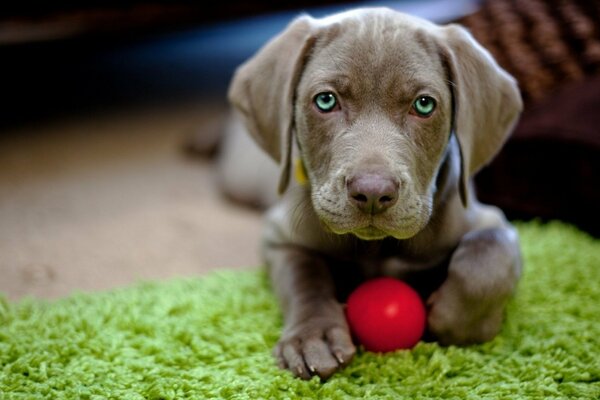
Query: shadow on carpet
212	338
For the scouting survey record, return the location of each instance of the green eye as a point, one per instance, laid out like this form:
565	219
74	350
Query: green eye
424	106
325	101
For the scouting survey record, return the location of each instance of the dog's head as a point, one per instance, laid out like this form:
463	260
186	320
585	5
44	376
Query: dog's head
372	97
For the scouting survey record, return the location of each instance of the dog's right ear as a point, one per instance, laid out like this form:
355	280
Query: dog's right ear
487	102
263	90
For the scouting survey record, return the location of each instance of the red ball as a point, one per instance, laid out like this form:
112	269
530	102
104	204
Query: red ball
386	314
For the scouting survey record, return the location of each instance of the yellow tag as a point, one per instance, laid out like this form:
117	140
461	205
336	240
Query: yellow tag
300	172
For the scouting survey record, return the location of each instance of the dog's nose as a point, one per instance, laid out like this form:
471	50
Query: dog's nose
372	193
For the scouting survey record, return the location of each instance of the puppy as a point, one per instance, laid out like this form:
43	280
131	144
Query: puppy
387	117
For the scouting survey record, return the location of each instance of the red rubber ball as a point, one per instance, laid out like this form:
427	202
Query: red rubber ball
386	314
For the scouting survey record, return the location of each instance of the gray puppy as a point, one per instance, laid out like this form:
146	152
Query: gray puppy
389	117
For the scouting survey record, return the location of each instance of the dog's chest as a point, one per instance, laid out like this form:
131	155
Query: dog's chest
388	257
368	260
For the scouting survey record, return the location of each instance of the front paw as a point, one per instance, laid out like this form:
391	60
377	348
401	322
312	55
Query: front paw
455	319
315	347
482	275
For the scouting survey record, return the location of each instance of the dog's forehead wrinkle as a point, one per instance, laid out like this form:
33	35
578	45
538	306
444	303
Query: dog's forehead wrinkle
395	70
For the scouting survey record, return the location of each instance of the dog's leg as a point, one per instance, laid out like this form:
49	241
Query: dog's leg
316	338
482	274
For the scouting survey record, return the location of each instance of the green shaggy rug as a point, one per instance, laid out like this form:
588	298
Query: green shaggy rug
212	338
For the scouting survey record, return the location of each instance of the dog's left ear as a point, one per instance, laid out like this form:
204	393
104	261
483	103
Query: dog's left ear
487	101
263	90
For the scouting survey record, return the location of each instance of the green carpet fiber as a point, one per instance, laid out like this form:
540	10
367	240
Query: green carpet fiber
212	338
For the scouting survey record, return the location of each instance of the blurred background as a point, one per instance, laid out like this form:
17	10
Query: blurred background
105	105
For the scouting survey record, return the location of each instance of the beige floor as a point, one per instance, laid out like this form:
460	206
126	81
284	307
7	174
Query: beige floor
102	202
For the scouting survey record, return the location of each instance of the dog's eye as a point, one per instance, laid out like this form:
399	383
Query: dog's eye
424	106
325	101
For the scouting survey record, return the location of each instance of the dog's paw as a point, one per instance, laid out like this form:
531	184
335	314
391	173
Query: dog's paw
469	306
456	319
315	348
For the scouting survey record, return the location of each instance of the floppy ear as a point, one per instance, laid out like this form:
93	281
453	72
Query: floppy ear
487	102
263	91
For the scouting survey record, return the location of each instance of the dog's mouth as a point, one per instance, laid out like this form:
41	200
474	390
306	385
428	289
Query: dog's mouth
365	232
375	229
397	222
370	232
